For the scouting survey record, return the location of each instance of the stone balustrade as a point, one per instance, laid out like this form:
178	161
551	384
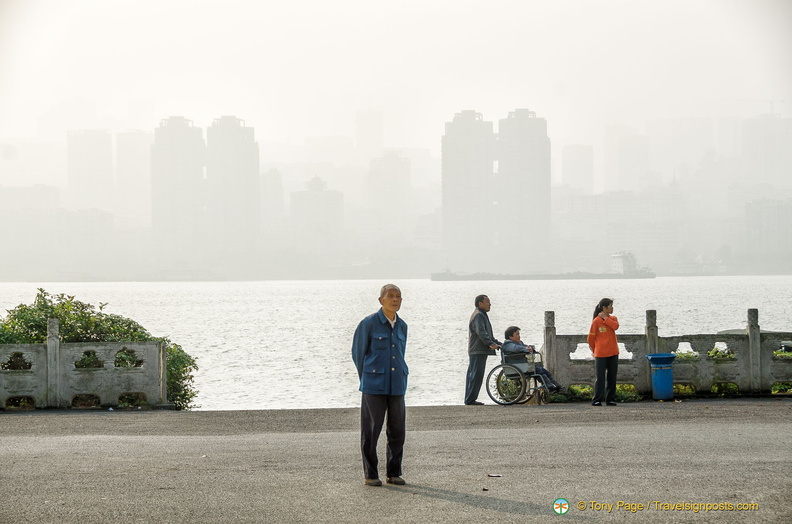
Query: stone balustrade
754	369
54	381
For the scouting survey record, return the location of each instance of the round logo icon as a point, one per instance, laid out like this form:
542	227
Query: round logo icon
560	506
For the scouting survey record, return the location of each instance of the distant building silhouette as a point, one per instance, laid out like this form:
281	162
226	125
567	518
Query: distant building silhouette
468	164
496	191
177	189
90	169
233	198
522	219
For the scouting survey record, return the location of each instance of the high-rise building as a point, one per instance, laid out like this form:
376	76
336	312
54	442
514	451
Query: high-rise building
523	211
233	200
133	179
577	168
90	169
177	189
468	164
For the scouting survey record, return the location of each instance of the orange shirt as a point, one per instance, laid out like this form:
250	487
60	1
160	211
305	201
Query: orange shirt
602	336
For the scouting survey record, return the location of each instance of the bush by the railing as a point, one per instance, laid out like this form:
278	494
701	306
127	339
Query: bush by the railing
83	322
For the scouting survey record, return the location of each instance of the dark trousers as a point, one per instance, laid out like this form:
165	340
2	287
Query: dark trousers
475	376
548	377
605	387
372	416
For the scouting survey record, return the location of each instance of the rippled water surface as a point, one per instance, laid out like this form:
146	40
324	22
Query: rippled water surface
286	344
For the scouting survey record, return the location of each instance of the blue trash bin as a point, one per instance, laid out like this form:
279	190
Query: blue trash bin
662	376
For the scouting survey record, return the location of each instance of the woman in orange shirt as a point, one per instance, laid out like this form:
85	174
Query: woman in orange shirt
603	344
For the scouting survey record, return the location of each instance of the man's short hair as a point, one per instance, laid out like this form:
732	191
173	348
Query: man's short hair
480	299
386	287
511	330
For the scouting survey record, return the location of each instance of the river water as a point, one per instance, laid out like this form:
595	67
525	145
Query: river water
286	344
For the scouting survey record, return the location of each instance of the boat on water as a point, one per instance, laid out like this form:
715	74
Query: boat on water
576	275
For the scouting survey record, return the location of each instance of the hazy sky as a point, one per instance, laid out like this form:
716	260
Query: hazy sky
300	68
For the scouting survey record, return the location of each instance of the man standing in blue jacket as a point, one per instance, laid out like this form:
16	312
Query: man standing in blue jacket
378	352
481	344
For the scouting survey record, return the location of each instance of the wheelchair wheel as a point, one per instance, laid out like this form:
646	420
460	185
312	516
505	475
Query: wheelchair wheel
505	384
535	386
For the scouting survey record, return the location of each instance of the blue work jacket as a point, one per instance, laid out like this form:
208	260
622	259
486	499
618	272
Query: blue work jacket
378	353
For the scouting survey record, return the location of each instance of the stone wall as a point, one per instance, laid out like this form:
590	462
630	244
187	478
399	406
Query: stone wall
53	380
754	369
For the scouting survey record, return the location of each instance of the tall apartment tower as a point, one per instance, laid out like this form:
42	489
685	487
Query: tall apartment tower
177	188
90	169
467	163
577	168
233	204
523	210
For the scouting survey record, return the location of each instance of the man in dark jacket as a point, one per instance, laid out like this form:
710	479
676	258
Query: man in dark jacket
481	344
378	353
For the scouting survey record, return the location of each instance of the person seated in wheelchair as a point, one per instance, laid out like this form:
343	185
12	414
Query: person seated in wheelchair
514	346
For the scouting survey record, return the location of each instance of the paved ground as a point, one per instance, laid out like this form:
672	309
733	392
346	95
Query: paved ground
304	465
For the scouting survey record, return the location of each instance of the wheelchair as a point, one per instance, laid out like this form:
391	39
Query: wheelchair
515	380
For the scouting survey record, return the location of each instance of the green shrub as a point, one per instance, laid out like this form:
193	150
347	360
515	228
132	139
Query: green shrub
89	360
16	362
82	322
721	352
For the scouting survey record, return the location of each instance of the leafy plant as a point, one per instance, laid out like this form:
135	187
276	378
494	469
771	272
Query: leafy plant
83	322
89	360
721	352
626	393
22	403
126	358
781	388
684	390
16	361
725	389
686	355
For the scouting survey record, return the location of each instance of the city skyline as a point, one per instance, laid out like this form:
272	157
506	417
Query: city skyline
173	132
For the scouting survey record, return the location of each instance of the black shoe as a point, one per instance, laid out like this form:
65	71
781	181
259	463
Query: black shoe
475	403
611	403
596	403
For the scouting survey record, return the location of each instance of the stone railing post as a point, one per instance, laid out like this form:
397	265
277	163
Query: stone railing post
163	378
652	341
754	351
652	345
53	363
549	342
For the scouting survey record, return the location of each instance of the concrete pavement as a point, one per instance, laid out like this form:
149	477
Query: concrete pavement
304	465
